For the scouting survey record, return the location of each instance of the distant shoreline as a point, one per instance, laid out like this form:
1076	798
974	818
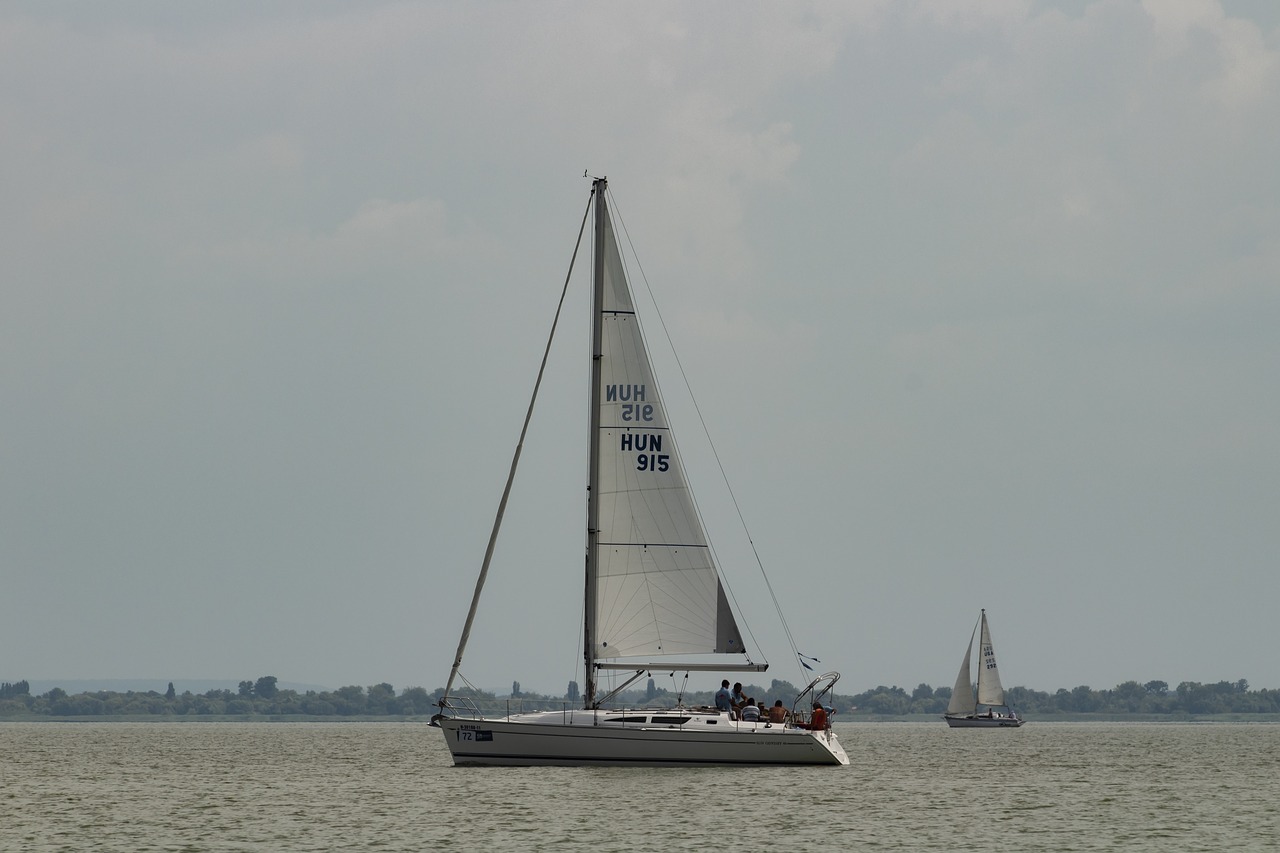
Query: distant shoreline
264	699
213	718
1261	717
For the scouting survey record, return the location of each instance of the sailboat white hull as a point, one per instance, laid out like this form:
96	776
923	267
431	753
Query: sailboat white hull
577	738
971	722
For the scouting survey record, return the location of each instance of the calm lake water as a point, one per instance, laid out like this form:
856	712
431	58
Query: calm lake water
391	787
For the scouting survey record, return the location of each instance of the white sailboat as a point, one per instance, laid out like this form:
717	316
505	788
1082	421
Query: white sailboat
653	592
987	709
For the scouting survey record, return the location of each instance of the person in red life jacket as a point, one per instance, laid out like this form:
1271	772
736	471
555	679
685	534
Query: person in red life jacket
818	722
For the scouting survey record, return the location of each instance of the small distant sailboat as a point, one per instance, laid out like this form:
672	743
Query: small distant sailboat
986	710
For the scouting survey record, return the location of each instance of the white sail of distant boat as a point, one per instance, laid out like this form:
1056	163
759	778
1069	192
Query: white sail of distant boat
654	597
962	698
987	708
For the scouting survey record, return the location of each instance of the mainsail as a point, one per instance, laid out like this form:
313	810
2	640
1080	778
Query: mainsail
657	591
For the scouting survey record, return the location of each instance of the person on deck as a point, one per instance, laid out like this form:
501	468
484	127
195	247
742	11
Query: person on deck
738	699
751	712
724	699
818	722
777	714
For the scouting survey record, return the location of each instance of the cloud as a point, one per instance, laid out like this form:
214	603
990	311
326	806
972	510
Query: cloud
974	283
1240	71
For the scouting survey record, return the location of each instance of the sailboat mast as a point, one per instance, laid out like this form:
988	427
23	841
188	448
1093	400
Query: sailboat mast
593	441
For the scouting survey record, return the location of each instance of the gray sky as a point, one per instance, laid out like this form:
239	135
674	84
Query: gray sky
978	299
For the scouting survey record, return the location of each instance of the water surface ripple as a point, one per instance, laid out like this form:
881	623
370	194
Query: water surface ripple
391	787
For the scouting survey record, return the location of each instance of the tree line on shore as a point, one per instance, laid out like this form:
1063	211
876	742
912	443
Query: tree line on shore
262	698
1189	698
252	698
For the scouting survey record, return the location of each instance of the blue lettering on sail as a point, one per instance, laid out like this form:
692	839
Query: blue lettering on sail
648	450
636	412
641	441
622	393
659	462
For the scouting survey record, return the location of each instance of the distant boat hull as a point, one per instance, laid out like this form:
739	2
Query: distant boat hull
588	738
972	722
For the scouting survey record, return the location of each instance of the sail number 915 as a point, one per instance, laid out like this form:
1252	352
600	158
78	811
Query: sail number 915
653	462
637	411
648	450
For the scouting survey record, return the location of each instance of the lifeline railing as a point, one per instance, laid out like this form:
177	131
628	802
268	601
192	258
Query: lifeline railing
472	708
